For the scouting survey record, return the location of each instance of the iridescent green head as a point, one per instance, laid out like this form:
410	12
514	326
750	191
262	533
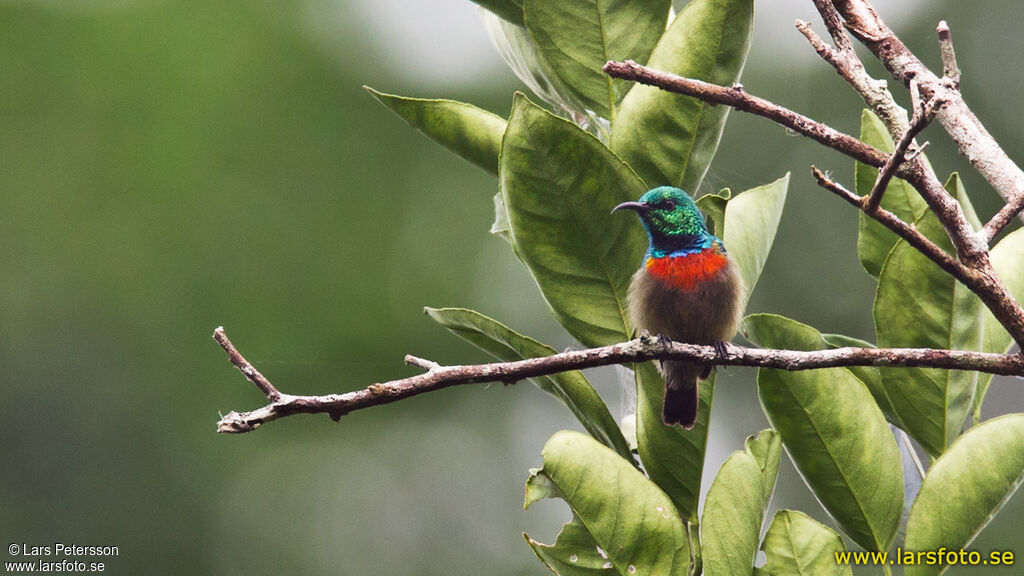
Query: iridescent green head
671	219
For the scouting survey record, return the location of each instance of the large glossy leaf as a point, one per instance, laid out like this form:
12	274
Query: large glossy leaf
736	504
713	207
466	130
965	488
672	456
869	375
798	545
874	241
578	37
572	388
528	63
1007	258
834	433
510	10
559	184
751	219
669	138
574	553
633	522
918	305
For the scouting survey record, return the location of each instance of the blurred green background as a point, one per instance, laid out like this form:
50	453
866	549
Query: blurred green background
170	166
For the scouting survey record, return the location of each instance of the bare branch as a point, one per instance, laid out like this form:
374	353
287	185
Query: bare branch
844	60
922	115
950	69
427	365
248	370
638	350
972	139
877	96
971	250
735	97
1002	218
899	227
968	245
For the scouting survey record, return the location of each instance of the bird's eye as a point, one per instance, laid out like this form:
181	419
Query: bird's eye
669	204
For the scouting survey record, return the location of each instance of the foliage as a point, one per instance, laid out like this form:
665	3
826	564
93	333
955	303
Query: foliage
560	171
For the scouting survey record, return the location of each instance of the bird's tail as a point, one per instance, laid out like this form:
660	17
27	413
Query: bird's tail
681	398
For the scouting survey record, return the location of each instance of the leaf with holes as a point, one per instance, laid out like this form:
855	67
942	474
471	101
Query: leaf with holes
736	504
796	544
633	522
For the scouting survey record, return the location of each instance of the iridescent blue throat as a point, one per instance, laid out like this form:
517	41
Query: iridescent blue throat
680	245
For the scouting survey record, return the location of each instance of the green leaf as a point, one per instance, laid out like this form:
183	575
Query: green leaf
672	456
834	433
874	241
713	207
578	37
751	220
965	488
574	552
1006	258
736	505
633	522
919	305
669	138
510	10
560	184
520	52
466	130
797	545
572	388
869	375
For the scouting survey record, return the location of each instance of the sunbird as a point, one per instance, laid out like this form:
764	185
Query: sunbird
687	289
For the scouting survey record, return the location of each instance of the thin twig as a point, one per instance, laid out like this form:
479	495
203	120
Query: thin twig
877	96
638	350
741	100
847	64
421	362
1002	218
899	227
245	367
834	22
963	127
922	114
970	247
950	69
946	208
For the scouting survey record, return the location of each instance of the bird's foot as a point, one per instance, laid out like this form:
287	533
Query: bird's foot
721	350
666	342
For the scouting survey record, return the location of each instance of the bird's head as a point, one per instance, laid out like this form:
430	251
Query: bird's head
671	219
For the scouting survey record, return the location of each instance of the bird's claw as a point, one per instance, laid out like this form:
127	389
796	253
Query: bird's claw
721	350
666	342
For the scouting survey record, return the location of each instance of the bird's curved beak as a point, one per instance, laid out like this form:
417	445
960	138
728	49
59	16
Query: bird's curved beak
638	207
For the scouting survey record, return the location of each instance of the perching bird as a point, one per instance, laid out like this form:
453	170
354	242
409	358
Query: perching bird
687	289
